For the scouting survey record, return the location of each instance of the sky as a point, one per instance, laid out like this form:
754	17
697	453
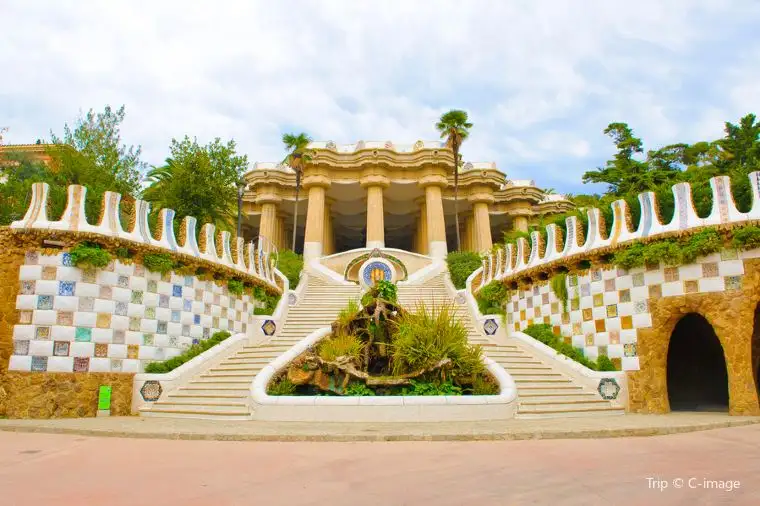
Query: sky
541	79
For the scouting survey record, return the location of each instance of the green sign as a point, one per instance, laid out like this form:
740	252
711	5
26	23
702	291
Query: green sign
104	398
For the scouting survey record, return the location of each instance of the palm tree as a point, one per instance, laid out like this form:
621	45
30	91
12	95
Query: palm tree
454	126
297	158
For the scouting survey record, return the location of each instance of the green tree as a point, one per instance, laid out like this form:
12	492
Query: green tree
198	181
297	158
454	126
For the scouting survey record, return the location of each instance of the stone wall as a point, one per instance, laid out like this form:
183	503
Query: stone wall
11	258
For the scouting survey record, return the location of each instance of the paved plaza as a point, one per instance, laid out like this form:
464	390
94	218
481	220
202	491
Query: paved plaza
644	470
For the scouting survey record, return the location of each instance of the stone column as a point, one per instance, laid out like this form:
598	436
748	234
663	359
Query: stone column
328	231
482	226
436	225
268	224
467	242
375	185
317	186
520	223
422	238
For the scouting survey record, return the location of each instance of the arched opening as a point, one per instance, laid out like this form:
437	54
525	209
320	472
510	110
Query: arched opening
697	376
756	350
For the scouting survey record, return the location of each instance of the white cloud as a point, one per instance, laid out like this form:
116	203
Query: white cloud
541	78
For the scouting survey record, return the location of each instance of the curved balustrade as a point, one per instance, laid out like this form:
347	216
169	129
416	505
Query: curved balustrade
252	259
523	257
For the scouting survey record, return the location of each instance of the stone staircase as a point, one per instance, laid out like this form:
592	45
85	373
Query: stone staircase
543	390
222	391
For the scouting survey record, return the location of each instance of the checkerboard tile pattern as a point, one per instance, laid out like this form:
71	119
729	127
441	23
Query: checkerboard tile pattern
606	307
116	319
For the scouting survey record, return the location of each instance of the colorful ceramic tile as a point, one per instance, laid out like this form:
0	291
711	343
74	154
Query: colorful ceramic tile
133	350
207	309
729	254
629	349
576	328
535	290
217	299
42	333
269	327
148	339
116	364
66	260
83	335
609	285
189	281
198	294
163	301
31	258
733	282
614	337
224	310
161	327
598	300
66	288
585	290
186	330
123	282
575	304
86	304
572	280
176	291
152	286
600	325
671	274
544	298
137	297
652	266
105	292
655	291
166	277
27	287
529	301
134	323
119	336
139	271
622	272
21	347
89	276
640	307
554	307
150	313
49	272
638	279
589	339
587	315
602	351
522	314
537	312
596	275
691	286
565	318
197	319
101	350
196	341
215	322
65	318
175	316
25	316
612	311
121	308
624	295
44	302
187	305
626	322
710	270
39	364
206	332
81	364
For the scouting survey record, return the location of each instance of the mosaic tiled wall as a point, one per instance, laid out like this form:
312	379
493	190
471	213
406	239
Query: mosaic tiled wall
116	319
606	307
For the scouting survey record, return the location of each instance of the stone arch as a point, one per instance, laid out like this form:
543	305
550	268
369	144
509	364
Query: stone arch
697	378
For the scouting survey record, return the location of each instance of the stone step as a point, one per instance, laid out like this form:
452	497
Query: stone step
558	413
249	360
555	396
227	375
206	403
197	411
221	382
253	368
536	381
213	392
562	405
527	388
529	368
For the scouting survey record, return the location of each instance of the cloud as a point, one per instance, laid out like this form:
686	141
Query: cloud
541	79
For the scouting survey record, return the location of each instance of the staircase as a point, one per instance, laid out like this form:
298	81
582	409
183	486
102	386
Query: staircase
222	392
543	390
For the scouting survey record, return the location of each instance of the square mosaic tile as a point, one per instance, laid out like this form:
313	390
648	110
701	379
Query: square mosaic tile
31	258
134	323
65	318
609	285
27	287
207	309
612	311
83	335
66	288
224	310
175	316
25	316
691	286
655	291
161	327
215	322
565	318
522	315
624	295
197	318
166	277
587	315
733	282
529	301
585	290
614	337
132	350
39	364
49	272
629	349
189	281
148	339
206	332
81	364
116	364
671	274
575	304
537	312
123	282
602	351
596	275
653	266
638	279
710	270
139	271
554	307
66	260
600	325
544	298
622	272
44	302
589	339
176	291
186	330
598	300
101	350
89	276
21	347
217	299
576	328
536	290
729	254
105	292
118	336
163	301
150	313
187	305
152	286
137	297
121	308
42	333
61	348
626	322
573	280
198	294
86	304
640	306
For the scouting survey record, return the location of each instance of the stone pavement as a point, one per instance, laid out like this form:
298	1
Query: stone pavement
556	428
679	469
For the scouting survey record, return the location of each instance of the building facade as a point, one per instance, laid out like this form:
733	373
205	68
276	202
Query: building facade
383	195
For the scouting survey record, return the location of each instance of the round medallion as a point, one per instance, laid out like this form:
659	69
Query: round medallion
374	270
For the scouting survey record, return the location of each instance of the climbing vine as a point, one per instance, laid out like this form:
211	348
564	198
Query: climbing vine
559	287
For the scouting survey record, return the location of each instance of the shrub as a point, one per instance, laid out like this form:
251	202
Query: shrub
358	389
700	244
544	334
158	262
746	238
89	254
492	298
559	287
603	363
270	301
192	352
235	286
291	265
432	388
424	337
347	314
461	264
281	386
630	257
342	345
386	290
484	386
124	253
